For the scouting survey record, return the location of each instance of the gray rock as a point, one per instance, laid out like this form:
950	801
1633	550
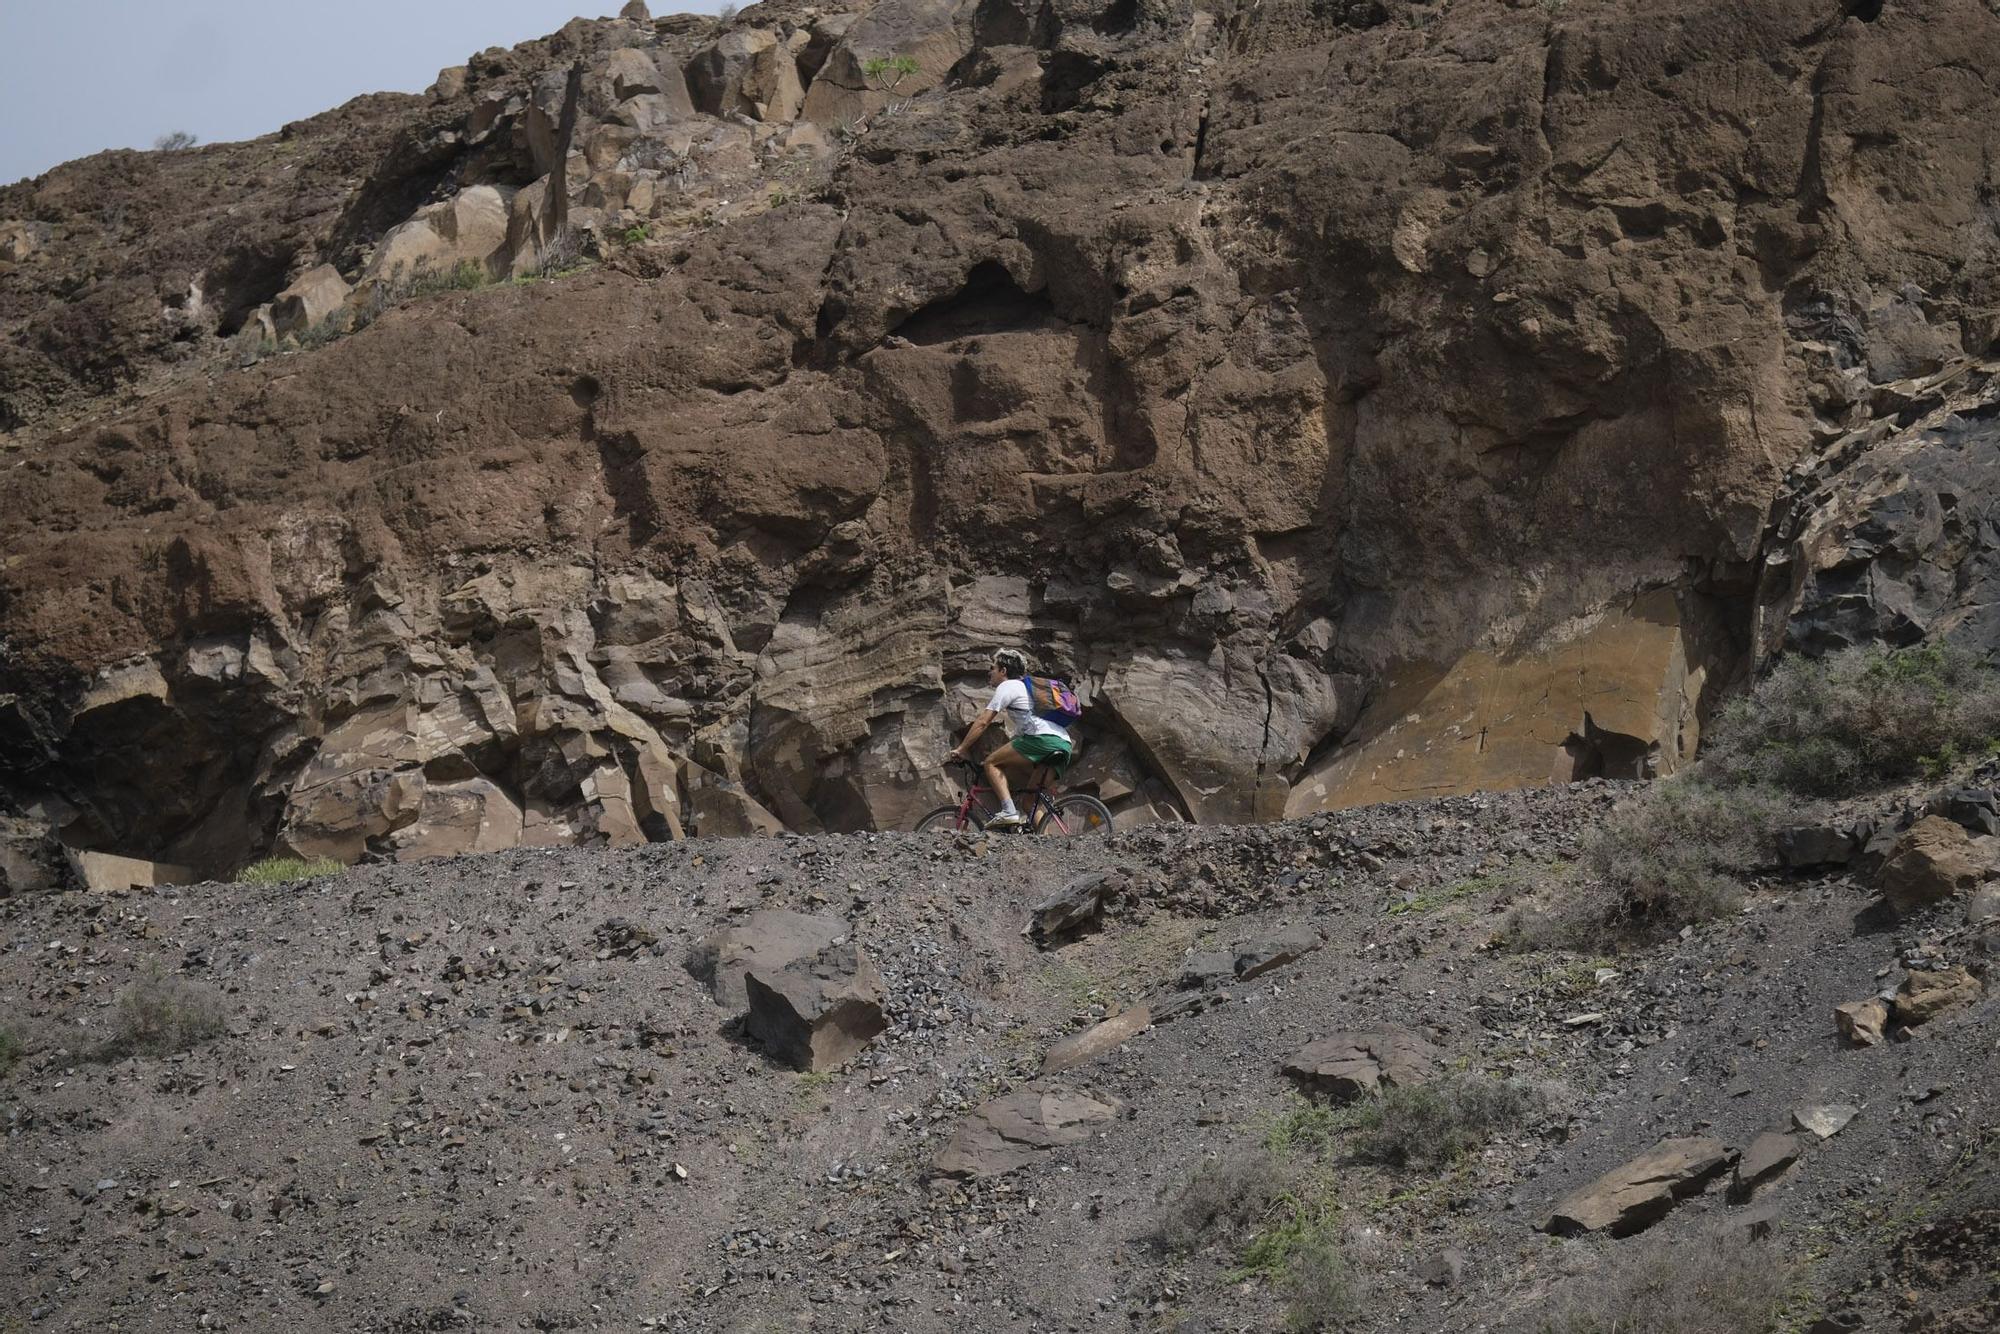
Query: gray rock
1767	1158
1825	1121
1211	968
766	940
817	1013
1261	956
1804	846
1443	1270
1079	905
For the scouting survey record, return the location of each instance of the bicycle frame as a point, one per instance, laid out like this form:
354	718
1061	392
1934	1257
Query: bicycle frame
1038	801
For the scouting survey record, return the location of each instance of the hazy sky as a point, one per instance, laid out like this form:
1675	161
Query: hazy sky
77	77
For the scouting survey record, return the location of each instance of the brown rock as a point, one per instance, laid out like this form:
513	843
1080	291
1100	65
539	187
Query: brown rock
1924	996
1860	1022
1344	1066
1633	1197
1096	1040
1932	861
1011	1131
310	301
816	1013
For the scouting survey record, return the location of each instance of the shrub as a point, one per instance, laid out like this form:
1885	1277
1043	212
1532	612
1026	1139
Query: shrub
1320	1283
1670	855
1432	1124
11	1050
278	870
174	142
161	1014
886	73
1855	720
1701	1286
1225	1196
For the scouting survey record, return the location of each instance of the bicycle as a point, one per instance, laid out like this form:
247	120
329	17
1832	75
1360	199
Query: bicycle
1069	816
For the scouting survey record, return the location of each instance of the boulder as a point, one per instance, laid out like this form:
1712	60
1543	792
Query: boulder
1010	1131
1079	905
1933	860
470	227
1977	809
1767	1158
1211	968
1924	996
932	35
1826	1120
1096	1040
450	83
107	871
722	808
32	857
634	73
1802	847
1983	906
1257	957
1344	1066
767	940
313	297
1632	1197
816	1013
1860	1022
749	72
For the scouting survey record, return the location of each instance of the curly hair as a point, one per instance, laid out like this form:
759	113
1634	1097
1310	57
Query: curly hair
1011	661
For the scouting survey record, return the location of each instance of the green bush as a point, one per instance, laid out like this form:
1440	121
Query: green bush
1701	1286
1853	721
1670	855
278	870
161	1014
1225	1196
11	1050
1320	1283
1431	1125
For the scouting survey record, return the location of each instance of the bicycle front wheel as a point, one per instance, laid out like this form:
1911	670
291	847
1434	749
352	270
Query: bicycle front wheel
944	820
1076	815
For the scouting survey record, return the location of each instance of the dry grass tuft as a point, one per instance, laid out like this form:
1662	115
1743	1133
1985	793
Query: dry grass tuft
1703	1286
161	1014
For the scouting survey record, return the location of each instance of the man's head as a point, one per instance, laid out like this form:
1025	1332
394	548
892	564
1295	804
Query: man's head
1008	662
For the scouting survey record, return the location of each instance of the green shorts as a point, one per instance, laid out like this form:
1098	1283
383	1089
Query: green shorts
1052	750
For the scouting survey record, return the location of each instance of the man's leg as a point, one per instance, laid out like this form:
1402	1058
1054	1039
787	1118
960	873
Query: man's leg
1003	767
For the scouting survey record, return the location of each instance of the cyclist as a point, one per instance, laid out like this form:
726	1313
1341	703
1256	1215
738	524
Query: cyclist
1035	740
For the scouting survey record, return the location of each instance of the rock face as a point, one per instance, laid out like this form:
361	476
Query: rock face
1390	408
816	1013
1345	1066
1633	1197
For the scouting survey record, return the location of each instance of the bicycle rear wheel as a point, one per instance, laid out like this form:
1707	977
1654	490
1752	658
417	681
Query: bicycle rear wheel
944	820
1074	816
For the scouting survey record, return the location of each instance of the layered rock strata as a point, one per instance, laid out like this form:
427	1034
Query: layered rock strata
1356	401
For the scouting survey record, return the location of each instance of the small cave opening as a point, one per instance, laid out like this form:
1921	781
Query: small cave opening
1866	10
243	280
989	301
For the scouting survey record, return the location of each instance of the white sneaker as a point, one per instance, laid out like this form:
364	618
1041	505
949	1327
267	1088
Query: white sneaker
1006	820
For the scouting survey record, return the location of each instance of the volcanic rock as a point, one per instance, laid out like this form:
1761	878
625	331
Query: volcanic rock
1096	1040
1860	1022
1079	905
1924	996
1633	1197
768	940
1933	860
816	1013
1768	1156
1011	1131
1344	1066
1261	956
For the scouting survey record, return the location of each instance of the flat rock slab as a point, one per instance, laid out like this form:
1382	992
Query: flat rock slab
1633	1197
1098	1039
1764	1161
817	1013
1343	1066
768	939
1010	1131
1261	956
1924	996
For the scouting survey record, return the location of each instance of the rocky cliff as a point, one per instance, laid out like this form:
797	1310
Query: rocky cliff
648	430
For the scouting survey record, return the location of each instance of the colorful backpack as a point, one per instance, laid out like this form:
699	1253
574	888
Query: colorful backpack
1053	701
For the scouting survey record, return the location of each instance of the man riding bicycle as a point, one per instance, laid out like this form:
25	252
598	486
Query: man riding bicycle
1034	739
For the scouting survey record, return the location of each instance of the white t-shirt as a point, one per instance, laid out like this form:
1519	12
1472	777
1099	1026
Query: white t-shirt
1011	702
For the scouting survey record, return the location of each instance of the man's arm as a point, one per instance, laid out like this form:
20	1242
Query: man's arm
963	750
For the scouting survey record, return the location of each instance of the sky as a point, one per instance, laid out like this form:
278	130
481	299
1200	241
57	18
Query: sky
77	78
